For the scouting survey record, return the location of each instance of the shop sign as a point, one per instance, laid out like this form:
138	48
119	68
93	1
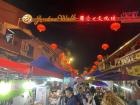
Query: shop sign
134	70
27	19
128	59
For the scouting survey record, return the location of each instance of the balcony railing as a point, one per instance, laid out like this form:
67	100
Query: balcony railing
127	60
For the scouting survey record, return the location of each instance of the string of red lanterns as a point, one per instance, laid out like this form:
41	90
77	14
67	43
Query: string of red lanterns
114	26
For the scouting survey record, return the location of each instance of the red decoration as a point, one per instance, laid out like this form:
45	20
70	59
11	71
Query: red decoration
41	27
105	46
53	46
96	62
94	67
81	75
91	71
96	18
82	18
61	56
100	57
115	26
85	72
75	72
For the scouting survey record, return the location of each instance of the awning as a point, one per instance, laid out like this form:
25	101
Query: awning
96	73
24	68
44	63
40	72
14	66
116	76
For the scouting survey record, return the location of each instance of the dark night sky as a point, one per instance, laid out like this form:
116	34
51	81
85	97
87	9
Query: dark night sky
82	39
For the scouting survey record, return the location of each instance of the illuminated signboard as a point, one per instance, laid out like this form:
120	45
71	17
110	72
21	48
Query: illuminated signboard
126	17
128	59
65	18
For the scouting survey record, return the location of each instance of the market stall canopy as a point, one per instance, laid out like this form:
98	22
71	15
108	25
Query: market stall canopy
99	83
24	68
116	76
97	72
14	66
41	72
44	63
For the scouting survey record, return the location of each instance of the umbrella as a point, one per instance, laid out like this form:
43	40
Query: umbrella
99	83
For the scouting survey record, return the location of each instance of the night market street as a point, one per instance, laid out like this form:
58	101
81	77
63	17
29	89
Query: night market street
69	52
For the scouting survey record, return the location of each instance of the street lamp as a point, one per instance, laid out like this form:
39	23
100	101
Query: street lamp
71	59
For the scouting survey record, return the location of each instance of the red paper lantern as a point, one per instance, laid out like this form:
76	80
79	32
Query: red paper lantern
115	26
105	46
91	71
75	72
96	62
81	75
61	56
94	67
85	72
41	27
53	46
100	57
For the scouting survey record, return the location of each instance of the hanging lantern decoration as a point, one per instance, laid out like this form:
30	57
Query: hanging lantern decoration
105	46
94	67
53	46
81	75
75	72
85	72
115	26
91	71
96	62
100	57
62	56
41	27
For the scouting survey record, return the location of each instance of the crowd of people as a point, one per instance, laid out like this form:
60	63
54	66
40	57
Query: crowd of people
82	94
